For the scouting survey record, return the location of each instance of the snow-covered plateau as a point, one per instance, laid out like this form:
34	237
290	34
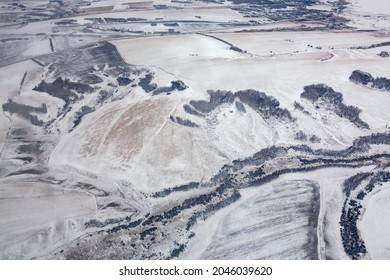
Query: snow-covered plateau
227	129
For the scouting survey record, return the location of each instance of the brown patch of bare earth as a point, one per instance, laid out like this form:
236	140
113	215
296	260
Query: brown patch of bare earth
122	133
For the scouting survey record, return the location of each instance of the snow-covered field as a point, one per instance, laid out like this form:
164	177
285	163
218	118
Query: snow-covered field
128	133
369	14
371	7
278	67
28	207
287	205
273	222
374	224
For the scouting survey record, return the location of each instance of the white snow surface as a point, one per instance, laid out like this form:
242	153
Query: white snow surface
375	224
242	229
